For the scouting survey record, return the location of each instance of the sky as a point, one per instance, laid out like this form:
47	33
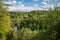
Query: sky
29	5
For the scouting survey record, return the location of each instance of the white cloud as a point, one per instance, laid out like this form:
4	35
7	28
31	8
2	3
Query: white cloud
44	3
35	0
36	5
58	5
27	9
9	2
5	2
20	2
17	8
48	6
47	0
14	2
22	5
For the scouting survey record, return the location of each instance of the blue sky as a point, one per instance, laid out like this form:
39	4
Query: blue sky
29	5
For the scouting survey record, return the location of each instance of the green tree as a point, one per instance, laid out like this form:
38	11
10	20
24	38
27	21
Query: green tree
5	22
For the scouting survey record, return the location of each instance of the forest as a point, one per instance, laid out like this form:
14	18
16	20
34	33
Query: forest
34	25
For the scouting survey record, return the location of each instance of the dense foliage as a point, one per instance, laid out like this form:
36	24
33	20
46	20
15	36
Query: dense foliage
34	25
40	25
